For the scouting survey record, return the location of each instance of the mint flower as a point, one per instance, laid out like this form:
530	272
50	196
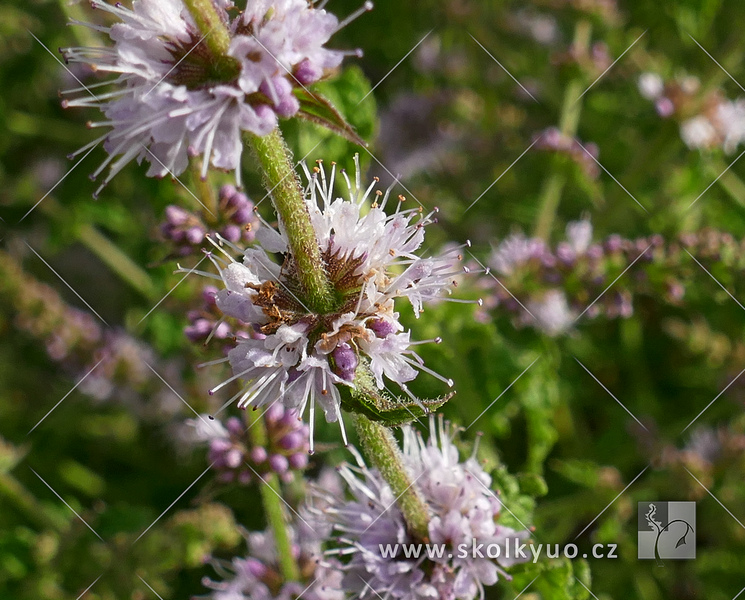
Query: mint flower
305	357
258	577
172	98
463	510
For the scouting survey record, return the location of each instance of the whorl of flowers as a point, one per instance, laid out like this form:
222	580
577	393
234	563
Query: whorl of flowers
549	288
304	356
236	459
174	97
463	509
258	576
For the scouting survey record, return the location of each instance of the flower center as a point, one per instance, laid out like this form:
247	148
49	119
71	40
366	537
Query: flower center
282	303
195	67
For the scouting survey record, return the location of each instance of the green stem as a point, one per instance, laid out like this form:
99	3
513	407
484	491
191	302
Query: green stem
272	501
116	260
106	251
211	25
568	122
381	448
287	195
729	181
25	502
205	190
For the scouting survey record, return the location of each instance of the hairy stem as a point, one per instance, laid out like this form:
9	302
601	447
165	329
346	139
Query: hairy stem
381	448
272	501
568	123
211	25
287	196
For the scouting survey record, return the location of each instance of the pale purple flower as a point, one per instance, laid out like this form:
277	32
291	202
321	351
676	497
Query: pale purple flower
370	257
258	576
651	85
552	312
579	235
173	98
515	251
698	132
462	509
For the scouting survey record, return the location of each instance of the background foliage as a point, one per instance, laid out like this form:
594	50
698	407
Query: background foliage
450	121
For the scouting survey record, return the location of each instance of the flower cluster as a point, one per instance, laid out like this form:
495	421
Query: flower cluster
552	139
236	459
463	509
706	121
234	220
258	576
208	322
305	356
549	288
176	97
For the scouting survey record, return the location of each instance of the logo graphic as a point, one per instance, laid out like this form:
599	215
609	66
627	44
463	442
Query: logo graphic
667	530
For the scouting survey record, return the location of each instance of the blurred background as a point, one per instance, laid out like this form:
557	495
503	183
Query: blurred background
587	149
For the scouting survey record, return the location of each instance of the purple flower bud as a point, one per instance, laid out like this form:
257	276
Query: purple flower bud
175	215
198	330
243	215
665	107
209	294
255	567
233	458
299	460
289	419
244	477
306	72
613	243
381	327
234	426
291	441
228	191
232	233
595	252
258	454
222	331
278	463
346	361
194	235
288	106
219	446
565	253
274	413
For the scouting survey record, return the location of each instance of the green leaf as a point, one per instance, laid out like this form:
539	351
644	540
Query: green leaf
316	108
366	399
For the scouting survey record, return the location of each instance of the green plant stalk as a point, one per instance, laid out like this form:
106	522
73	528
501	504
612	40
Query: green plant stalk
205	190
287	196
568	122
106	251
381	448
116	260
210	25
729	181
271	499
26	503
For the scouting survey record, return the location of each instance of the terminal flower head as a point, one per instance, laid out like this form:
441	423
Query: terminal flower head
174	97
